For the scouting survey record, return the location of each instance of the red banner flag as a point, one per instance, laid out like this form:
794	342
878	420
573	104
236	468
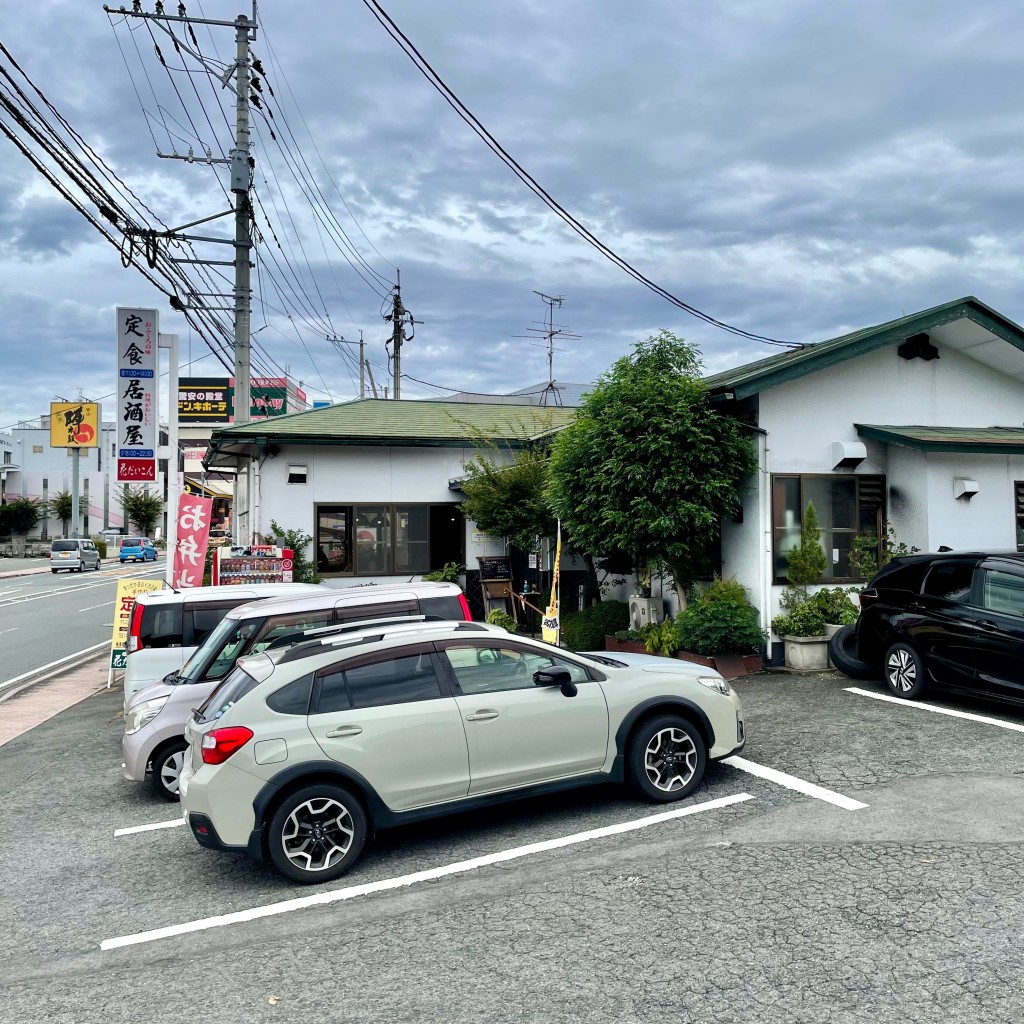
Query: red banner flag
194	515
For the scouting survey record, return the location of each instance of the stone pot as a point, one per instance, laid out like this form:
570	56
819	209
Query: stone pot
807	653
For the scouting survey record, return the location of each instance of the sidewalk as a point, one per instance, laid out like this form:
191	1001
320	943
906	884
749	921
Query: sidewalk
41	701
23	566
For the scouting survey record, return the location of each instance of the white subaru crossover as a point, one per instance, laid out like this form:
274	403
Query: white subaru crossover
303	752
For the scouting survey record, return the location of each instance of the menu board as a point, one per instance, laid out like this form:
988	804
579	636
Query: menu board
495	568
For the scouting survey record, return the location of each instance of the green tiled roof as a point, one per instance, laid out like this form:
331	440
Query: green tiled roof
752	378
977	440
379	421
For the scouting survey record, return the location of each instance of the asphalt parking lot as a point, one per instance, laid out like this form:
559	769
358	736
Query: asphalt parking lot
769	900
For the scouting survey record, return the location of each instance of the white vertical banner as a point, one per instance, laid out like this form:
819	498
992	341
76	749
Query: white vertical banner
136	395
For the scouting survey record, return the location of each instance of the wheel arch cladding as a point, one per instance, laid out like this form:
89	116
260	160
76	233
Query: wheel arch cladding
657	706
313	773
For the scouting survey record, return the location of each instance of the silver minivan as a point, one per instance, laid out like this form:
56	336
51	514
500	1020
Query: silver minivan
74	554
155	716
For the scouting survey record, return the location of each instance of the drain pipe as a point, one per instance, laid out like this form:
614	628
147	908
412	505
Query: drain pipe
764	512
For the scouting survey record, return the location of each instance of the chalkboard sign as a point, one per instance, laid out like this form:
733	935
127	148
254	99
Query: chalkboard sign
498	568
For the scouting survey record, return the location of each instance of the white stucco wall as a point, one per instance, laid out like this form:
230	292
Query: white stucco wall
804	416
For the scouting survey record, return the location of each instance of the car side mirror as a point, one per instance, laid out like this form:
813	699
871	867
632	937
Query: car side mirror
556	675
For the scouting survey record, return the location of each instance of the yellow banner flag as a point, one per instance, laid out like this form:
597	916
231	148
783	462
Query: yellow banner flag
127	591
550	622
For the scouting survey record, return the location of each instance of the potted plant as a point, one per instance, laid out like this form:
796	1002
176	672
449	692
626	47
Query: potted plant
721	629
801	625
836	608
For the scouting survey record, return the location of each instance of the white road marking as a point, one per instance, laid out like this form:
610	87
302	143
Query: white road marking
56	666
73	589
173	823
92	607
934	709
353	891
792	782
11	630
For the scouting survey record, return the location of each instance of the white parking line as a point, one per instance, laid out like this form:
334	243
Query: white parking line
92	607
792	782
11	630
351	892
148	828
936	710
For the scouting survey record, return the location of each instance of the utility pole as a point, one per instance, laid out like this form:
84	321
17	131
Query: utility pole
397	316
338	342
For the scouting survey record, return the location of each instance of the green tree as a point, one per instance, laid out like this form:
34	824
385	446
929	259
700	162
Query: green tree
61	505
141	508
649	466
509	499
303	567
805	562
20	515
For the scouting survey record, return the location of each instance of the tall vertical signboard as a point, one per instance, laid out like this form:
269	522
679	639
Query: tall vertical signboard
136	394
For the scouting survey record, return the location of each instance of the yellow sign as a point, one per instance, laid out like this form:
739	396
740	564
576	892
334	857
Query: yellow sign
74	424
127	591
549	625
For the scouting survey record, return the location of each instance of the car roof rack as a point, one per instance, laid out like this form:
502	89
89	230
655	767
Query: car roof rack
307	648
316	632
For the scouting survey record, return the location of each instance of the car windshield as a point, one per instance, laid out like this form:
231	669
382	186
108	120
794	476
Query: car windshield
65	545
221	649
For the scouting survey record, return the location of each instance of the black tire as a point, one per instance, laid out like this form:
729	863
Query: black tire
903	671
167	763
316	811
666	759
842	651
54	571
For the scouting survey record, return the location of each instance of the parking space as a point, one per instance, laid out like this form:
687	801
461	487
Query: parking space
825	765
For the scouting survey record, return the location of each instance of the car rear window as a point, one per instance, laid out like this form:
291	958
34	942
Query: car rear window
131	542
65	545
950	581
235	686
161	625
901	577
447	608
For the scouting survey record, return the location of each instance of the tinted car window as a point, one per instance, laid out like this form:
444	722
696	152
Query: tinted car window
161	625
279	627
950	581
375	610
388	681
65	545
1004	592
446	609
229	693
901	577
204	618
494	669
292	699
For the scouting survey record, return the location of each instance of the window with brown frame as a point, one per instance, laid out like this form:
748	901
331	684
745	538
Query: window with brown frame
846	506
1018	507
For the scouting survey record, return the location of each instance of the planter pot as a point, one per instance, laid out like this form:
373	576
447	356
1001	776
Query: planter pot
831	630
728	665
807	653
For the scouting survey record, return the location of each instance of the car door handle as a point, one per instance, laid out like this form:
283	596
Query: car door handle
985	624
483	715
343	731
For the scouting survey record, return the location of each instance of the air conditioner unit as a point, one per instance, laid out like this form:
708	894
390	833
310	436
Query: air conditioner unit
643	610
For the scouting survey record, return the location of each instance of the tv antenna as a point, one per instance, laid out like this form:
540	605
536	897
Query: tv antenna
549	330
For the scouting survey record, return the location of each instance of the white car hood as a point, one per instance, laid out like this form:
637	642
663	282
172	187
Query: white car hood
151	692
652	663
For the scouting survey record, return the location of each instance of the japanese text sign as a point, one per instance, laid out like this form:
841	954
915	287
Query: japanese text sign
136	395
74	424
127	591
194	513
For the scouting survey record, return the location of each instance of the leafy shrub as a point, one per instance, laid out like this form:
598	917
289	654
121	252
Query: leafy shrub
101	546
634	635
303	567
586	630
835	605
660	638
720	620
496	617
449	574
803	619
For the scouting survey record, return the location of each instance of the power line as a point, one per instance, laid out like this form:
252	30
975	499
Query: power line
428	72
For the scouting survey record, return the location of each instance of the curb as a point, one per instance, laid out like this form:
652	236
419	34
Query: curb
22	572
11	687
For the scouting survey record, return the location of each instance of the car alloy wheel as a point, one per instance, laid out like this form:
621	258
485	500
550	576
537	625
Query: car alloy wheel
317	833
904	673
666	758
167	765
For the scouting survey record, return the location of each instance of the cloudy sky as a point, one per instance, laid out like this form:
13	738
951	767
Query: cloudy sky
793	167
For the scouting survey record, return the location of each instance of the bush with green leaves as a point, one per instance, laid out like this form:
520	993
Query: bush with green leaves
864	560
496	617
805	562
586	630
804	619
303	567
20	515
141	508
835	605
449	574
660	638
721	620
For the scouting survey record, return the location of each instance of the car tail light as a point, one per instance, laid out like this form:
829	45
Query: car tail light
466	613
867	596
135	629
220	744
